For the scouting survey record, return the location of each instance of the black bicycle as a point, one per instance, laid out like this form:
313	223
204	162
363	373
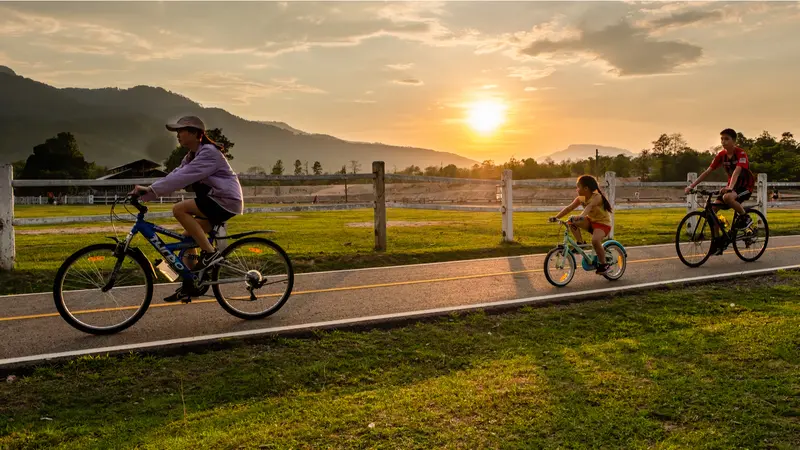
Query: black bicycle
697	227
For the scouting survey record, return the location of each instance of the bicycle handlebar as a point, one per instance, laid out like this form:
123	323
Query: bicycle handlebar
135	200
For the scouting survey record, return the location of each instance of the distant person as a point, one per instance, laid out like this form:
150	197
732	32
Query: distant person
219	194
775	195
740	181
595	218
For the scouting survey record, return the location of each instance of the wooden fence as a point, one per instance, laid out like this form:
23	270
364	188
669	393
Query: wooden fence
378	177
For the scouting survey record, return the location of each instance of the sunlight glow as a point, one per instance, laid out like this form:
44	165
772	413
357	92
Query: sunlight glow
486	116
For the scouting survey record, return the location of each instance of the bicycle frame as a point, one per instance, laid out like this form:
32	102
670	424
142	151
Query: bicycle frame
151	232
711	216
569	242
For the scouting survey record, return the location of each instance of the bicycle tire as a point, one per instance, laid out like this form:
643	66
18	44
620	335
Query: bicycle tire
766	236
624	261
260	315
570	260
58	297
700	215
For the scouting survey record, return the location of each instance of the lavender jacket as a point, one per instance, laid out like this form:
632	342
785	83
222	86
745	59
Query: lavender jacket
209	166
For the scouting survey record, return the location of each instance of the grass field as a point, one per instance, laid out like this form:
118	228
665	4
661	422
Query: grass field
683	368
327	240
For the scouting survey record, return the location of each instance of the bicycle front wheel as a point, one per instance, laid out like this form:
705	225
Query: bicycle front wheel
559	267
78	289
693	239
255	279
751	242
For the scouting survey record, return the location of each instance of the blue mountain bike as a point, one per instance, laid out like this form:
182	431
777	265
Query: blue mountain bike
560	266
97	287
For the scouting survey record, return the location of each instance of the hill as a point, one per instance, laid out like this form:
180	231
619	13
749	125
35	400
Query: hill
115	126
582	151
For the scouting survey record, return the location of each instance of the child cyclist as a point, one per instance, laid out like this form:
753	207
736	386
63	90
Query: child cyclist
219	194
595	218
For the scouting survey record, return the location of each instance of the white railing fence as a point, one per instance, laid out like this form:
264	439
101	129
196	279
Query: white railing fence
379	203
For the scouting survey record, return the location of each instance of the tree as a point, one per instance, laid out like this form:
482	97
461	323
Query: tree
57	158
277	169
256	170
298	167
177	155
344	170
317	168
355	166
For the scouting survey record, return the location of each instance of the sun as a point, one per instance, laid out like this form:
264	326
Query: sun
486	116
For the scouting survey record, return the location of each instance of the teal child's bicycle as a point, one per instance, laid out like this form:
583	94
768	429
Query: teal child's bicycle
560	265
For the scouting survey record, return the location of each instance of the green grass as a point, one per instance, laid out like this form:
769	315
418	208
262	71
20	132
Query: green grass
685	368
323	241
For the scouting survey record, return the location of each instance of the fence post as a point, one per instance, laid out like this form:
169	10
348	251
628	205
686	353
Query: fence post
611	195
507	205
7	245
379	190
763	194
691	199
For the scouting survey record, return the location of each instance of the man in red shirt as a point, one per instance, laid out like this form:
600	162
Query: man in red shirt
741	180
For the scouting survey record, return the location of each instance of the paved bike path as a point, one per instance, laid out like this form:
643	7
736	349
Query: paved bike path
31	325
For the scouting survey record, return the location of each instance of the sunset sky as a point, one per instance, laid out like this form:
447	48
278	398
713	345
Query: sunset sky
543	74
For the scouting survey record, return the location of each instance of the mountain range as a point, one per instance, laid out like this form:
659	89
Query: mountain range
115	126
582	151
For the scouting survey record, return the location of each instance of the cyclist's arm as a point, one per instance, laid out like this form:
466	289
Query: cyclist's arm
201	167
593	203
569	208
701	177
734	177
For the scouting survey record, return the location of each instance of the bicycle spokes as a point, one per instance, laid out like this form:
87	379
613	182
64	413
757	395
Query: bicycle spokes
86	294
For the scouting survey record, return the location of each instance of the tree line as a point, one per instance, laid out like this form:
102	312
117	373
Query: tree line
669	159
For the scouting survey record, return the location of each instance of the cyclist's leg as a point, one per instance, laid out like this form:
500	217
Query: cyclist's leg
579	224
735	199
184	212
192	252
600	231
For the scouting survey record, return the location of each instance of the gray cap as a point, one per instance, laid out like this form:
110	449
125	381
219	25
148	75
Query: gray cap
187	121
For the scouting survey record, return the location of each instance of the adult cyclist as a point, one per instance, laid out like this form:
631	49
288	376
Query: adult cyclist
741	180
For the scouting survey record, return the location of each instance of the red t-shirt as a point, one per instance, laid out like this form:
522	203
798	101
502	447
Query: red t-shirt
739	158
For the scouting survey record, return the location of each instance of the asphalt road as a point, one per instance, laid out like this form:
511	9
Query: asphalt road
31	325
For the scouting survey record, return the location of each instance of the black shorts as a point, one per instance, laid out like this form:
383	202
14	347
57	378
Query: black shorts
742	193
212	211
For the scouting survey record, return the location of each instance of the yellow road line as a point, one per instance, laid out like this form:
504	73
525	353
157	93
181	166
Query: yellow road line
347	288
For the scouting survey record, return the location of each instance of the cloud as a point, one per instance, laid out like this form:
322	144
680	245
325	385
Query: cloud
409	81
629	50
686	18
525	73
400	66
232	86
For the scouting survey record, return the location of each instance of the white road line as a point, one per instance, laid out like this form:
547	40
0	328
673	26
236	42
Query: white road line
386	317
405	266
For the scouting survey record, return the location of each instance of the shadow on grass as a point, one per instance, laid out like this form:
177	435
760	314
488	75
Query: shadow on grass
633	371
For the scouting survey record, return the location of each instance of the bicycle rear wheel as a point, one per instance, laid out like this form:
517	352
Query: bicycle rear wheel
746	242
78	295
253	262
695	231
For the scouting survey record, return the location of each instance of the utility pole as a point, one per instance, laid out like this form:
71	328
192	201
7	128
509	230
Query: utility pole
596	157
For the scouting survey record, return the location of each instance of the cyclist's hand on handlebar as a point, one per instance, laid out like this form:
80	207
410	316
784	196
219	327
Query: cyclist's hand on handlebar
552	219
688	190
138	191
